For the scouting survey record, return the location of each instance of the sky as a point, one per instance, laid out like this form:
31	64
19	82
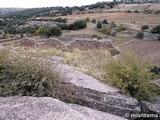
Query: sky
45	3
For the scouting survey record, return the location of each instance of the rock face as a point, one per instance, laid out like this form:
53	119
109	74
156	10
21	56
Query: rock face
93	93
90	44
151	107
45	108
151	36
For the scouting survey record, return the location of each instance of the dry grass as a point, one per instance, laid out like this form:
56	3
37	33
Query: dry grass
90	61
39	51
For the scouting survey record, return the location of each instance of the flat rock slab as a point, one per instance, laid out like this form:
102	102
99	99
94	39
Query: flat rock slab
45	108
83	80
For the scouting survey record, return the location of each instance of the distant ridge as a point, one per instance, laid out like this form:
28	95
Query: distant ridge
9	10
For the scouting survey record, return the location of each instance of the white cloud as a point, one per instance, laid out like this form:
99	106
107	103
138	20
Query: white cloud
45	3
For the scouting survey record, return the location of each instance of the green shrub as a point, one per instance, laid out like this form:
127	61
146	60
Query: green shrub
106	30
53	31
131	76
26	76
145	27
62	26
93	21
121	28
41	31
80	24
114	51
99	24
87	19
140	35
156	29
105	21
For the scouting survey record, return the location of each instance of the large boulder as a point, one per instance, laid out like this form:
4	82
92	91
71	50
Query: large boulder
45	108
92	93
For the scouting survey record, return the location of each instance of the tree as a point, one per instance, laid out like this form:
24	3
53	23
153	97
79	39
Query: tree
99	24
145	27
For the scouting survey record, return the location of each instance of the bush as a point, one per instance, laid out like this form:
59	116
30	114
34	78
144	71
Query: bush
26	77
131	76
105	21
60	20
157	12
114	51
87	19
156	29
41	31
145	27
53	31
140	35
148	11
80	24
106	30
62	26
136	11
121	28
93	21
113	24
156	70
99	24
96	36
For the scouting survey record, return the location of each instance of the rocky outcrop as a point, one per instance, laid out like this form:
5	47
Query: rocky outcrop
90	44
150	36
80	44
54	43
148	107
27	42
92	93
45	108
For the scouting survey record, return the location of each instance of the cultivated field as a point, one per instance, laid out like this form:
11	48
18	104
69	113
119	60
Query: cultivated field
146	50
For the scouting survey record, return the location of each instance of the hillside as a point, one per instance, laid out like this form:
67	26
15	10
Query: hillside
92	62
4	11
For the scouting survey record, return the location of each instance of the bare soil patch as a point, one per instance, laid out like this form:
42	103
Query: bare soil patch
146	50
